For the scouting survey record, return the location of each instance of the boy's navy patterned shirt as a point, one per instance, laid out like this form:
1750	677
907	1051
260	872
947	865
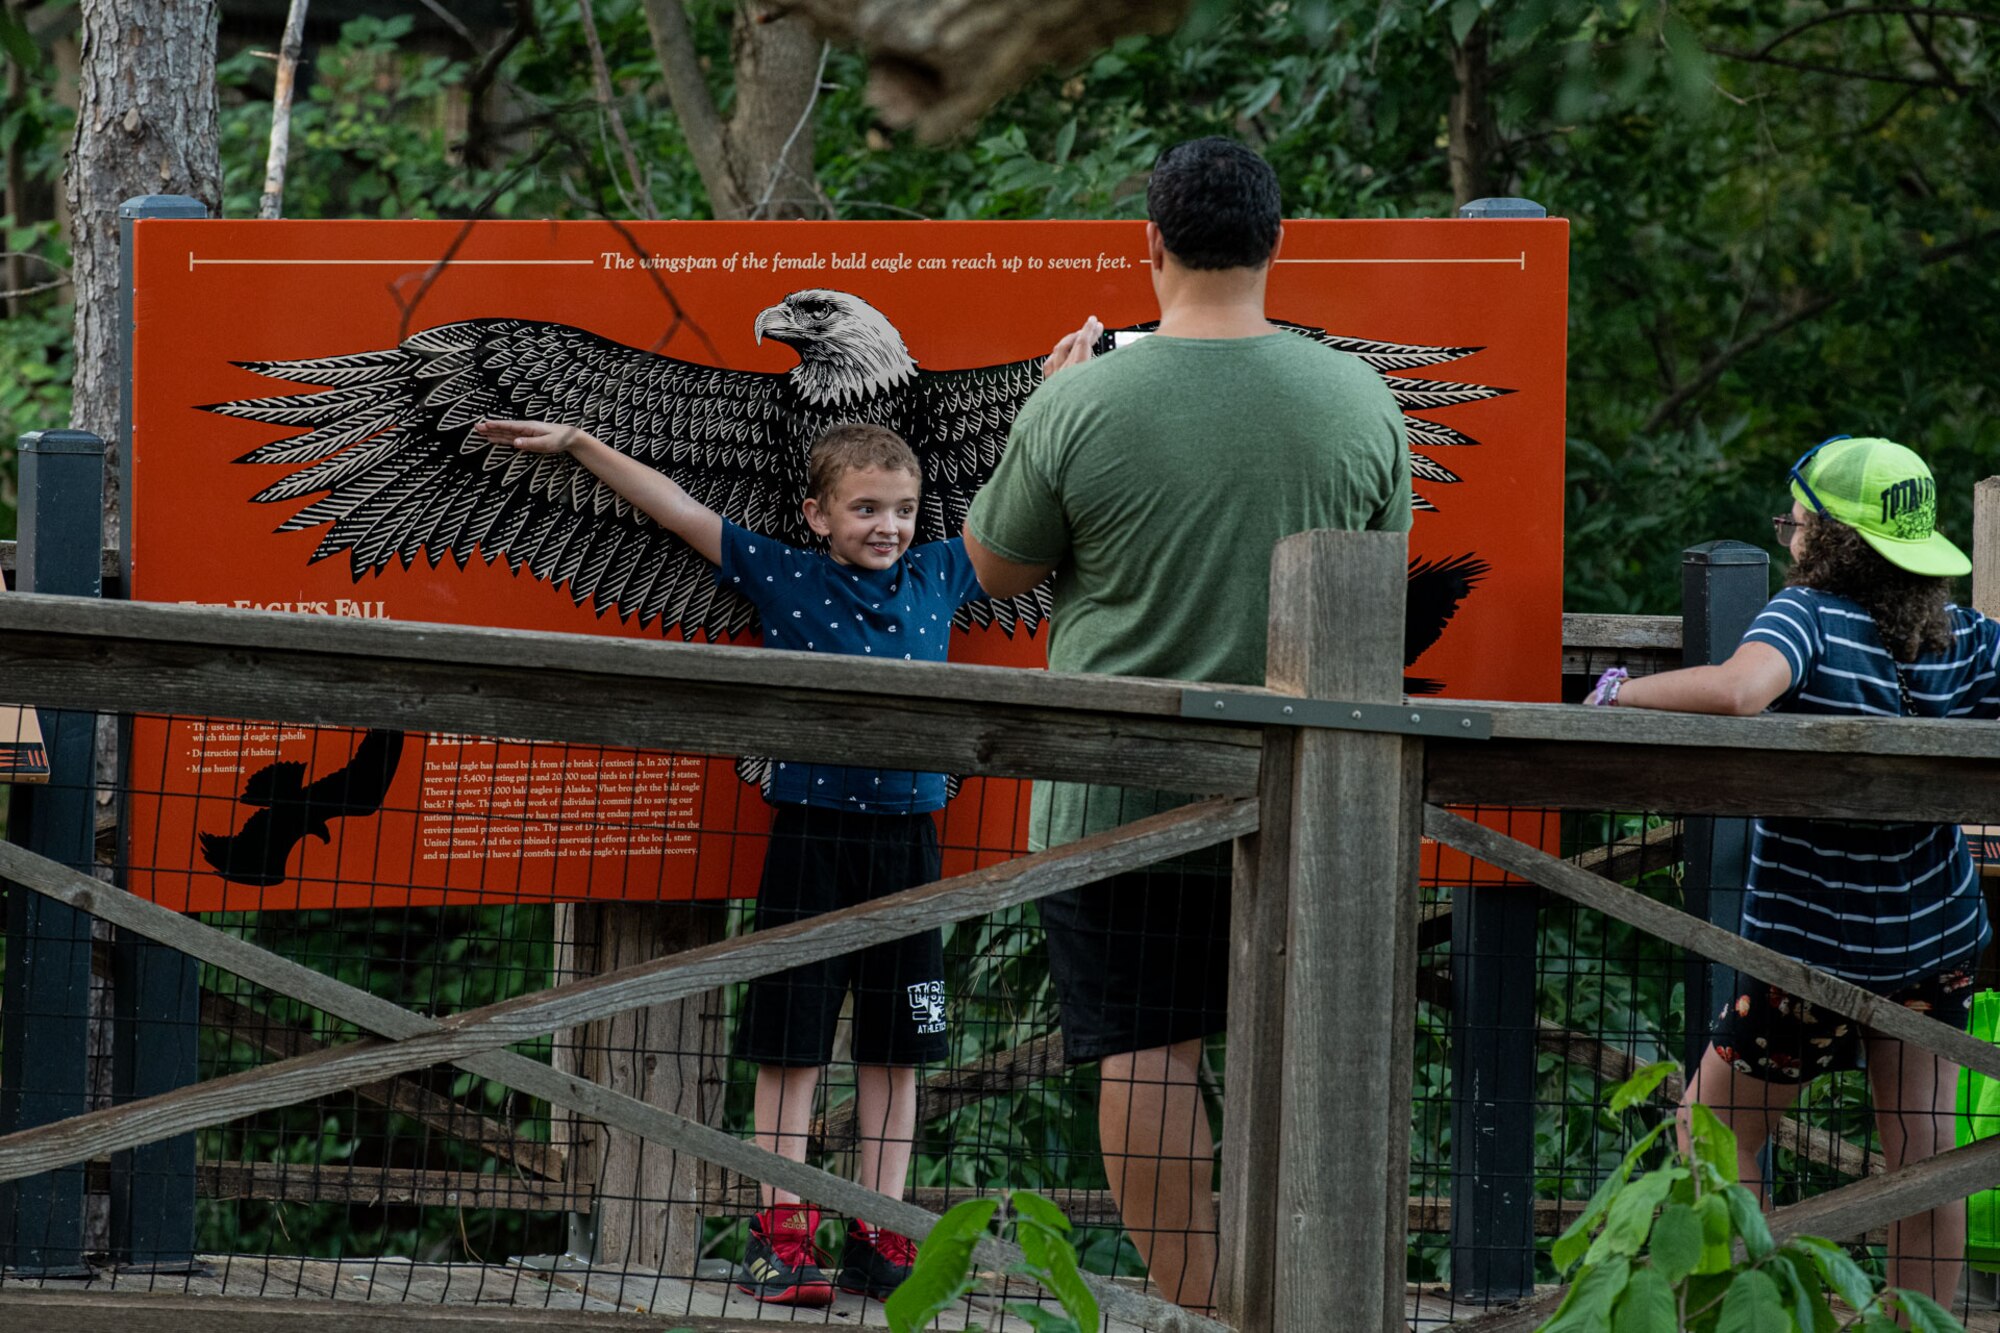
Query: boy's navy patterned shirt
812	603
1881	905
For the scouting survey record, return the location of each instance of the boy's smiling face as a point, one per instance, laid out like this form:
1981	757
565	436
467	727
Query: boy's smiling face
870	518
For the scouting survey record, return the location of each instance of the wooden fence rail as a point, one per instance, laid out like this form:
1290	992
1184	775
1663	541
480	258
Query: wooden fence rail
1324	822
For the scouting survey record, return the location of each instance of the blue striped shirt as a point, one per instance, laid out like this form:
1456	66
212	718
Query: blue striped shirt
1881	905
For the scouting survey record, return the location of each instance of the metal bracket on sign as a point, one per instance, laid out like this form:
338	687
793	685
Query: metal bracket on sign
1404	719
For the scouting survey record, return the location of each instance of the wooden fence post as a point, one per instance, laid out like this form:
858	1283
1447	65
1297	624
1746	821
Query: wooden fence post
1986	547
646	1210
1354	820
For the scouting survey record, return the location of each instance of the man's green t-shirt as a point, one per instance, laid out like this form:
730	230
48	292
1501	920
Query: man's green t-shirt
1157	479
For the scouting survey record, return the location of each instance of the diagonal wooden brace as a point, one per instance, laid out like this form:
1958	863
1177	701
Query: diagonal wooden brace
1712	941
473	1040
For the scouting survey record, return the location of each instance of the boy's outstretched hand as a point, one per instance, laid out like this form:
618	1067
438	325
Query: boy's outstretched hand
537	437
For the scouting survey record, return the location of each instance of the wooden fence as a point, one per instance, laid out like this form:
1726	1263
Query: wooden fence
1324	782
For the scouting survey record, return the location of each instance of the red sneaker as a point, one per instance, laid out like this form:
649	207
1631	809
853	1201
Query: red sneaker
780	1265
875	1262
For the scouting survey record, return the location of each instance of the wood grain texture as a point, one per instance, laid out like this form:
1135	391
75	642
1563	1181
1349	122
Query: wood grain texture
25	1310
1985	547
1635	727
1880	1200
1350	954
1253	1092
1887	1018
1599	633
1832	784
662	1054
1137	844
132	657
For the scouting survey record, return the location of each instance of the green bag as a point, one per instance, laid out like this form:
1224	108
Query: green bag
1979	1118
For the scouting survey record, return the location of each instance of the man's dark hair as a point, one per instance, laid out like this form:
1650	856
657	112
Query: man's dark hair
1215	203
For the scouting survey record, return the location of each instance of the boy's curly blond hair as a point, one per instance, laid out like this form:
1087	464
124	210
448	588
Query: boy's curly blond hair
856	446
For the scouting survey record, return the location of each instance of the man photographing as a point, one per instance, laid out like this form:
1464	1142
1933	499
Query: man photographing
1155	482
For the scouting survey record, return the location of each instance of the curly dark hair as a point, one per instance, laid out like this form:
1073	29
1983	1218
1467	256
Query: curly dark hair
1908	608
1215	203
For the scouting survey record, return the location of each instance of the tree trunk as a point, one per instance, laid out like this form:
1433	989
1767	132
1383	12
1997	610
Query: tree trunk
1475	139
146	124
758	163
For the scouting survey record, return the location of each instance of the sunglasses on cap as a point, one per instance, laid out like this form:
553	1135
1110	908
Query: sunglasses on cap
1798	474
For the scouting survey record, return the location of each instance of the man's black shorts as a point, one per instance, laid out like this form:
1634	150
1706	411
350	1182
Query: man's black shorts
1140	960
818	861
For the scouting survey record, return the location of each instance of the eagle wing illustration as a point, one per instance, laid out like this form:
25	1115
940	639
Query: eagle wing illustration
392	471
388	467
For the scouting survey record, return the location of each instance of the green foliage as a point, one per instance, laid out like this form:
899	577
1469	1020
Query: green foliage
1655	1253
943	1272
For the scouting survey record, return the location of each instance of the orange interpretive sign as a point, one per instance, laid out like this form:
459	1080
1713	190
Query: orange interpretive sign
303	398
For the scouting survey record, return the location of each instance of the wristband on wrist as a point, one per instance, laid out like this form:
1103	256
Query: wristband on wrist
1605	695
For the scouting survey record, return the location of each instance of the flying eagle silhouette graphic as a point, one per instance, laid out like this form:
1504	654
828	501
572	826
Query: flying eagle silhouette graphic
388	467
288	809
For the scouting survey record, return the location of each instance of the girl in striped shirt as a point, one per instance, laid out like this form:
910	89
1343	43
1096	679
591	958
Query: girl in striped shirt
1865	628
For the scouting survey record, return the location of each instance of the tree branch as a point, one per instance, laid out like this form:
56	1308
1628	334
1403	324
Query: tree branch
1980	105
272	204
1712	369
1861	11
694	104
607	101
938	65
1811	67
477	128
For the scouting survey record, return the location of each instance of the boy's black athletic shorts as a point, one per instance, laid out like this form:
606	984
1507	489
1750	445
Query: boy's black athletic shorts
819	860
1140	960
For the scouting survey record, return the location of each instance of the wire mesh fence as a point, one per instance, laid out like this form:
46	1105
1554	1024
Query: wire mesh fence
441	1186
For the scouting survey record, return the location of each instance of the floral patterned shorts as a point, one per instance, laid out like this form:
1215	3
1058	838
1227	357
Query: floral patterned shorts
1773	1035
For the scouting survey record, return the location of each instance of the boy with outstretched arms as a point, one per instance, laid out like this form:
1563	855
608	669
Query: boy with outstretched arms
840	835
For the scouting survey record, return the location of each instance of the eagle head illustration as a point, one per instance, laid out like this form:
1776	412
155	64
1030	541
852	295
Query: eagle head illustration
848	350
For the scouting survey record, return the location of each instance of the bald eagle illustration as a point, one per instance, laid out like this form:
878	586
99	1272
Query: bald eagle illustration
388	466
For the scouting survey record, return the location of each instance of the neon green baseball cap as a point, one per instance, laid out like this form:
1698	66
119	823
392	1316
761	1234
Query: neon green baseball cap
1884	492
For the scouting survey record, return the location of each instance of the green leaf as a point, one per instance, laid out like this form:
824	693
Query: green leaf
1052	1262
1646	1306
1677	1242
1753	1305
1748	1219
1586	1308
1464	13
944	1267
1630	1217
1641	1085
1713	1142
1840	1271
1042	1319
1575	1241
1065	140
1795	1273
16	42
1713	1214
1034	1207
1260	96
1926	1315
